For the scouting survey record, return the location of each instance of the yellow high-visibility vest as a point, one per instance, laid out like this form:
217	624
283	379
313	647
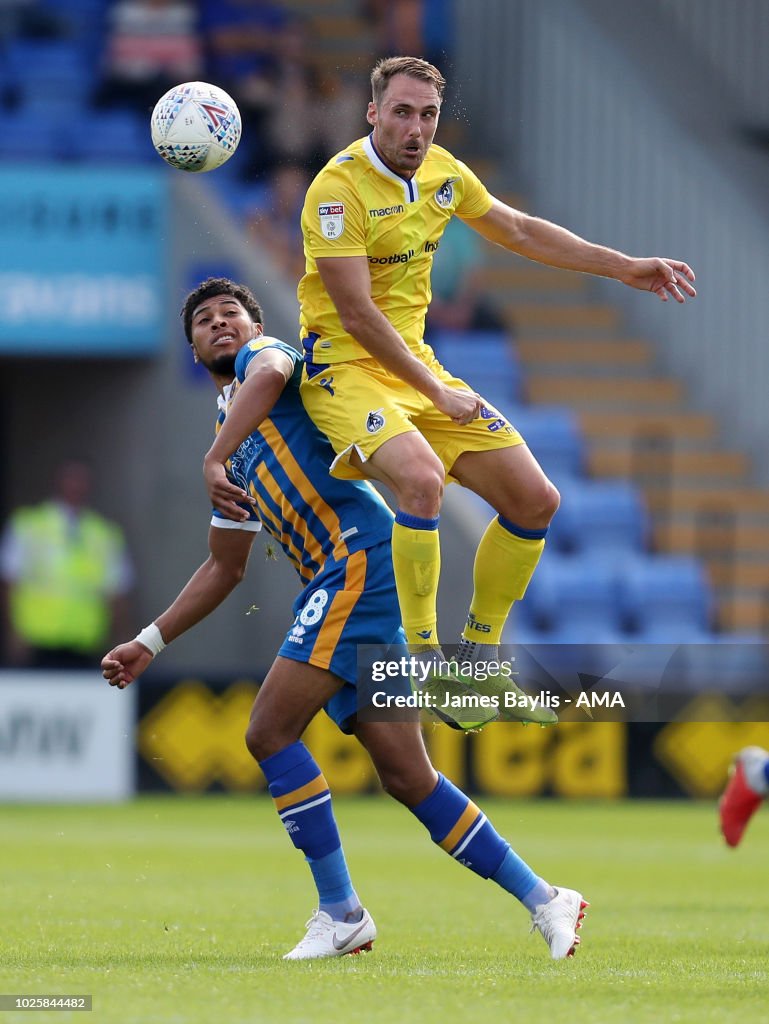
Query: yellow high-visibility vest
68	571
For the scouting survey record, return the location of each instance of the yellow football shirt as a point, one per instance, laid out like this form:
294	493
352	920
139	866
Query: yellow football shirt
357	206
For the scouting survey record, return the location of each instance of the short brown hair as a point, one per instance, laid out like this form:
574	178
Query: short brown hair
414	67
219	286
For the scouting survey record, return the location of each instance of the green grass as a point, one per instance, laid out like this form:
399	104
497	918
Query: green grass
174	909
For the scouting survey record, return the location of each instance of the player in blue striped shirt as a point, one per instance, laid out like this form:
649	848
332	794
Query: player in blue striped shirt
337	534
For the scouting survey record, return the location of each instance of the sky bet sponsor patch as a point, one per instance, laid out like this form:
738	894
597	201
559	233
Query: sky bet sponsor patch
331	219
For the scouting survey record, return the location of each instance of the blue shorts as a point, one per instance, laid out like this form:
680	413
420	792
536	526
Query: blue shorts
351	602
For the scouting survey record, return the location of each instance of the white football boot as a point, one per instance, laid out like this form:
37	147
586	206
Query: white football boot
559	920
326	937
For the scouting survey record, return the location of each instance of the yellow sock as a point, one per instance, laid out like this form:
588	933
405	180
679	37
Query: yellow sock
417	565
504	563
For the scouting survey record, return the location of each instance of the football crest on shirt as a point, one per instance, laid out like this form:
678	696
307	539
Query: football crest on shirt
375	421
445	195
331	219
242	461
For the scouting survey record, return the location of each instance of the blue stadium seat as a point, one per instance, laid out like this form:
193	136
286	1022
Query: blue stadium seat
71	8
48	70
471	347
24	138
118	136
674	632
485	359
518	630
582	632
553	434
74	92
64	111
86	21
575	599
738	665
602	516
665	595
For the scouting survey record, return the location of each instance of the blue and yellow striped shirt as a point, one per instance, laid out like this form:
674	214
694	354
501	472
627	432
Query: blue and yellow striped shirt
284	466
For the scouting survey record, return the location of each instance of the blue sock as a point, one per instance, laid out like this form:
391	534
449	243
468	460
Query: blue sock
517	878
519	531
461	829
766	770
303	802
335	892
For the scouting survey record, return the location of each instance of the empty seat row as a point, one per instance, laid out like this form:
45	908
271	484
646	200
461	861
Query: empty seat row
600	515
588	598
116	137
604	516
486	360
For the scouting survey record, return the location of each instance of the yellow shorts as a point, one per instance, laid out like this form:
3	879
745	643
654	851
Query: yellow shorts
359	406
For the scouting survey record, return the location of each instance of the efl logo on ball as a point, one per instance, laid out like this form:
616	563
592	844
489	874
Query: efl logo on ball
196	126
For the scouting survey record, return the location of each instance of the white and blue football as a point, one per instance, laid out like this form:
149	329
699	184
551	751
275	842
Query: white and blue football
196	126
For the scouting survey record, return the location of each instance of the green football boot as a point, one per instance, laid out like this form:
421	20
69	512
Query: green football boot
515	705
454	702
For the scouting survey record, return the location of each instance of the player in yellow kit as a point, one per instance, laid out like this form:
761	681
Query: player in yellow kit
372	221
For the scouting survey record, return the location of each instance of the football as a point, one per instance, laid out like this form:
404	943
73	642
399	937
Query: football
196	126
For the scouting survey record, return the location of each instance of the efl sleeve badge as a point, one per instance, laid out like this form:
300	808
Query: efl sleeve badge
331	219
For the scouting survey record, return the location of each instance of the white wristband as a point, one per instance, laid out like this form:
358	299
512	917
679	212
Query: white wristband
151	638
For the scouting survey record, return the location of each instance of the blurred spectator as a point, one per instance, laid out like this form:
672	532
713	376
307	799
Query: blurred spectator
399	26
277	228
65	575
342	99
292	130
243	38
458	303
151	46
244	43
417	28
23	19
314	117
29	19
259	54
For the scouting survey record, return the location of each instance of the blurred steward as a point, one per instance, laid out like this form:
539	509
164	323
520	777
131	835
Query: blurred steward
66	576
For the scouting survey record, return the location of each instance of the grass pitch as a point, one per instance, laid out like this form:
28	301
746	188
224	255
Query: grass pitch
178	910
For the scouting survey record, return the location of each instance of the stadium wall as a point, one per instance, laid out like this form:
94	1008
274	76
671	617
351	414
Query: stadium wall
734	41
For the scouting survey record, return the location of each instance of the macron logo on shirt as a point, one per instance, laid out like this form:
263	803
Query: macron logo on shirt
387	211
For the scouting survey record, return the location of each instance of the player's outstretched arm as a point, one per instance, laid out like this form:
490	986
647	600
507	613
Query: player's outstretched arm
265	378
555	246
205	591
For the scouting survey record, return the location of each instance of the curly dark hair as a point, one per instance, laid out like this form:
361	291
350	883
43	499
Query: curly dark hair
219	286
